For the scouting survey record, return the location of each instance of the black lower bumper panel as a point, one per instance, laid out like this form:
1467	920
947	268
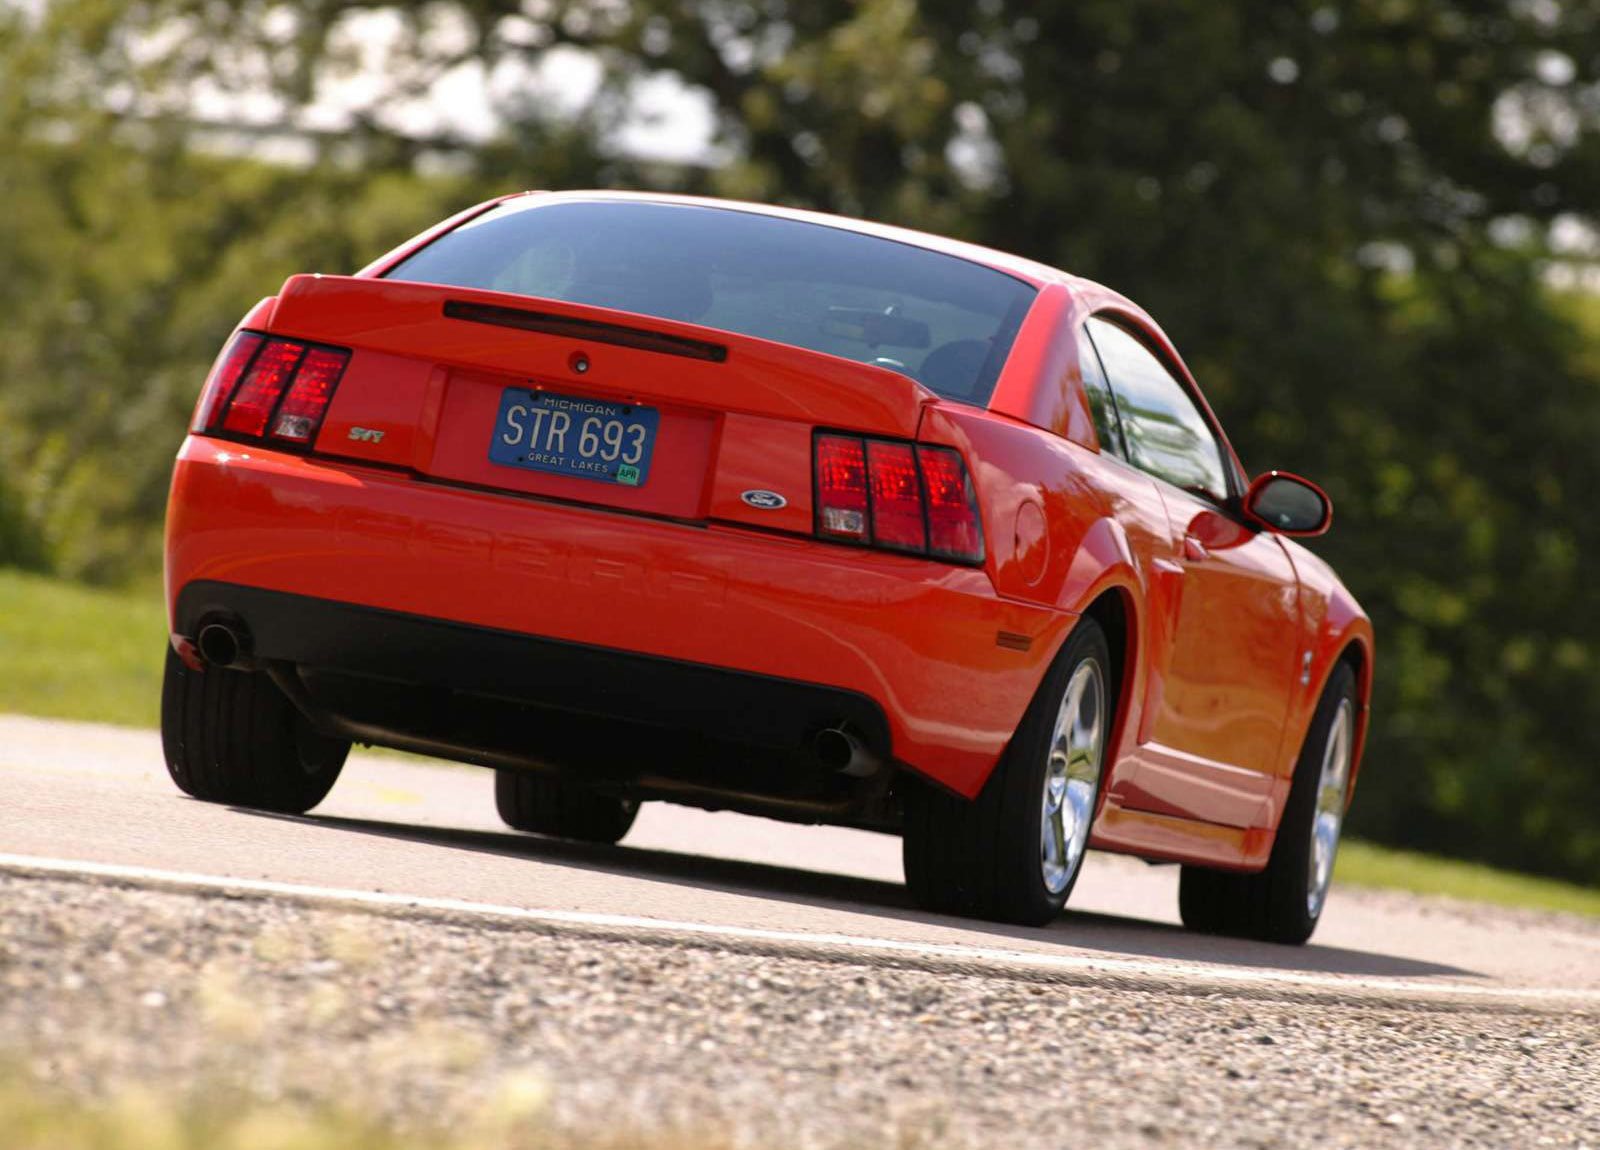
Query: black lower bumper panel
617	718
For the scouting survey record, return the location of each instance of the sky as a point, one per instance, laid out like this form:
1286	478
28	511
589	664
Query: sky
670	120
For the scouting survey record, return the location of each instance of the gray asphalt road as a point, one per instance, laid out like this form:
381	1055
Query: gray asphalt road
85	794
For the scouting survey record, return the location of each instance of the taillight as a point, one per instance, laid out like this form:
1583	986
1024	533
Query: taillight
300	413
897	495
842	487
953	526
258	393
224	375
274	388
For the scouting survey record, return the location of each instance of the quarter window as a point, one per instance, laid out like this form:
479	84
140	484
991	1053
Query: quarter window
1165	432
1101	406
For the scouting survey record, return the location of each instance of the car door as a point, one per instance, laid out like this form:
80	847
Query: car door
1214	712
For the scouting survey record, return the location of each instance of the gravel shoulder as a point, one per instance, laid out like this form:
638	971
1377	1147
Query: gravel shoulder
433	1024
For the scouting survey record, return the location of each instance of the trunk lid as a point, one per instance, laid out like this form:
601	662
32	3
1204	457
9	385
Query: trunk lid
438	372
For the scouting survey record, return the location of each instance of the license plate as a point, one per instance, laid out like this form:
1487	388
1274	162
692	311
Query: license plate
571	435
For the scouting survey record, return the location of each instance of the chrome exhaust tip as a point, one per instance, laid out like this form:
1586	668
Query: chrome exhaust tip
840	751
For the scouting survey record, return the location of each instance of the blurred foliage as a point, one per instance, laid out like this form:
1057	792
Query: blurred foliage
1348	216
68	651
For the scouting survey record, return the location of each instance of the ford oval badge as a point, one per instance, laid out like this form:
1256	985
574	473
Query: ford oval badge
766	500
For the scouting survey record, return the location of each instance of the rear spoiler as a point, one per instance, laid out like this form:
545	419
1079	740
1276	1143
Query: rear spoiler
637	356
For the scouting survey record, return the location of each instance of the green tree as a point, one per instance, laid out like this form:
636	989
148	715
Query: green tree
132	244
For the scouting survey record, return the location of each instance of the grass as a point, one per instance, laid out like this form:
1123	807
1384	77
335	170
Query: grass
1365	864
73	652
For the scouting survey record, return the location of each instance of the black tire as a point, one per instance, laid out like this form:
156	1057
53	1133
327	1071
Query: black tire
982	858
232	737
1272	905
545	806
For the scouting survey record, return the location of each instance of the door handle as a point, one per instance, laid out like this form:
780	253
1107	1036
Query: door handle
1194	550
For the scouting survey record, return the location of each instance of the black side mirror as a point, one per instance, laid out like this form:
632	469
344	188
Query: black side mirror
1288	504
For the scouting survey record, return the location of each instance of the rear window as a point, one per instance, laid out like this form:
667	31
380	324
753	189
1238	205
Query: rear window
945	321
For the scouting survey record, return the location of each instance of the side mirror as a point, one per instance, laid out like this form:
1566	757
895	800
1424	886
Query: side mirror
1288	504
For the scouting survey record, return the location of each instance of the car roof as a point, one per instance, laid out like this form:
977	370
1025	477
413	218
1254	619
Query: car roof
1029	271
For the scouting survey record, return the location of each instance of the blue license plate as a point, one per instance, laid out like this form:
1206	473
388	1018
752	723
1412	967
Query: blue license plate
571	435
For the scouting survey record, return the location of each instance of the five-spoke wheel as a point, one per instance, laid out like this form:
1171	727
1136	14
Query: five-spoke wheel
1072	776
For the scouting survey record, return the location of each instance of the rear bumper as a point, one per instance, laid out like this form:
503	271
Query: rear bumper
329	641
599	613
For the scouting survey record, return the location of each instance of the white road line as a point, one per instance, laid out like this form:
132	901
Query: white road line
1151	969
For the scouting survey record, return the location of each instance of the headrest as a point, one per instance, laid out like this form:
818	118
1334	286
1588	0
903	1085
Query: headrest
952	368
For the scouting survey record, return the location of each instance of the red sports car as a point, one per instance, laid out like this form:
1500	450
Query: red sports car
639	497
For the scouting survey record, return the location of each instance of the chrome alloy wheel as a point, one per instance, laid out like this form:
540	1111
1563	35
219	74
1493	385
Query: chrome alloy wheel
1333	787
1072	776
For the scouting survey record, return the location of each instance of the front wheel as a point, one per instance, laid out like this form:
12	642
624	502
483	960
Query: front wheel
1284	902
1013	854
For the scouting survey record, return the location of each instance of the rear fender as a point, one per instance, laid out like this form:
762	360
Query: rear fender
1034	498
1102	568
1102	560
1052	540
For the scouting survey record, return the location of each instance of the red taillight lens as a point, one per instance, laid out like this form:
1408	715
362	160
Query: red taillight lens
300	413
224	375
954	529
262	386
841	487
896	496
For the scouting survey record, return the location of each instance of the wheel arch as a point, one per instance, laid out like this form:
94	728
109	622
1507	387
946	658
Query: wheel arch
1350	647
1113	606
1102	582
1356	653
1113	609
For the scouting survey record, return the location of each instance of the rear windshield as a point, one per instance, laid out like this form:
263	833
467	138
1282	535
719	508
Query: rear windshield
945	321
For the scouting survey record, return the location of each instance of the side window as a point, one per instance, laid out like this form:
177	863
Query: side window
1165	432
1101	406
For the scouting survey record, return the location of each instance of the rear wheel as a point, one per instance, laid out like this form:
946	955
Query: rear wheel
232	737
1283	902
545	806
1014	853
